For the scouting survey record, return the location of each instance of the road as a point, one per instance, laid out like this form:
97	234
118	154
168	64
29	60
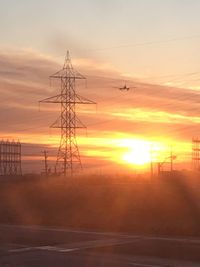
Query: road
30	246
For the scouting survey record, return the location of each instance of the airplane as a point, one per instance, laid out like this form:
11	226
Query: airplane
124	88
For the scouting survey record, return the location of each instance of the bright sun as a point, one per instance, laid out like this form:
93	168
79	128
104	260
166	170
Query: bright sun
138	155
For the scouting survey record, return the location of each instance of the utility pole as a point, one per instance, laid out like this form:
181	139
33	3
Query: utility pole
171	160
172	157
151	163
68	157
45	162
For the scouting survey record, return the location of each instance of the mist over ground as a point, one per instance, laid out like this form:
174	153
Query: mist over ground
167	205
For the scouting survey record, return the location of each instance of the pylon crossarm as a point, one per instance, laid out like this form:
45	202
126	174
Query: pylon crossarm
56	124
77	125
53	99
58	99
83	100
60	127
69	74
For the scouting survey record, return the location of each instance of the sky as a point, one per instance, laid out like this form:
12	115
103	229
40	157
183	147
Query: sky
152	45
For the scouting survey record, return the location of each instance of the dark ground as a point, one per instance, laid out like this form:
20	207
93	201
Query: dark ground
167	205
42	246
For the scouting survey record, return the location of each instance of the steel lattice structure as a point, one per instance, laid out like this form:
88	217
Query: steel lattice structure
10	158
196	154
68	157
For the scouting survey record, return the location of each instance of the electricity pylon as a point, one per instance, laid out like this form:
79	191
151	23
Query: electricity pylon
68	157
196	154
10	158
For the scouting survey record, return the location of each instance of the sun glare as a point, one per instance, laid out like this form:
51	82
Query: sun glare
141	152
137	156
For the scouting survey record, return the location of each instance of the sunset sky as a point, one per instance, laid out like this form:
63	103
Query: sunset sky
153	45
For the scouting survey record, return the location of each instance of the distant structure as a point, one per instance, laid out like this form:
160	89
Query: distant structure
68	157
46	169
167	161
10	158
196	154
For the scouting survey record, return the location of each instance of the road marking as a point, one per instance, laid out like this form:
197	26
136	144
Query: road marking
81	246
66	250
144	264
47	248
22	249
139	237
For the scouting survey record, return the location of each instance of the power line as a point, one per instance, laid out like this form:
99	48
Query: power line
148	43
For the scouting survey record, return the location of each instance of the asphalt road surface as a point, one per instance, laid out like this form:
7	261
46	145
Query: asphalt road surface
32	246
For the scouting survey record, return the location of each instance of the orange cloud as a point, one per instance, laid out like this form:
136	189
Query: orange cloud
148	112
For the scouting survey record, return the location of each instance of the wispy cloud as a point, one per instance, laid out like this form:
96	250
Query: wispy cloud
146	110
